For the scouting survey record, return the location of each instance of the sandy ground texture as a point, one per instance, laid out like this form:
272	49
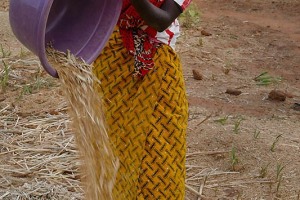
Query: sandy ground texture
243	143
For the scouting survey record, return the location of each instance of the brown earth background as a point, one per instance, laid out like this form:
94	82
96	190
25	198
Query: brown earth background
243	146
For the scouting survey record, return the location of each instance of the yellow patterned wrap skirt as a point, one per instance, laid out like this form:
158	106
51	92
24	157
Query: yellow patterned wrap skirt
147	121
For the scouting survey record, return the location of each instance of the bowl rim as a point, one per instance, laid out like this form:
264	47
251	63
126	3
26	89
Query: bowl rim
41	31
41	34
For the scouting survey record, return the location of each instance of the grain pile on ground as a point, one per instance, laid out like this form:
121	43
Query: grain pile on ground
99	163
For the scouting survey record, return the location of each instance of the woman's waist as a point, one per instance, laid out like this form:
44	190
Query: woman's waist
168	36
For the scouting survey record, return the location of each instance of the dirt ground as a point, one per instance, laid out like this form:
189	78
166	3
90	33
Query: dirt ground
243	146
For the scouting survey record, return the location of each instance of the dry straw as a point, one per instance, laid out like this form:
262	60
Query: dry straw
99	163
39	157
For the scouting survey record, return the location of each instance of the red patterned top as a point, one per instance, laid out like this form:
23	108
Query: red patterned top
142	40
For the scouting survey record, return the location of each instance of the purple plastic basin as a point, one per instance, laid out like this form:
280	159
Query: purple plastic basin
81	26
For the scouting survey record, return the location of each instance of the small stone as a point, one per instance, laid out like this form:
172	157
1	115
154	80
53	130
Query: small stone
197	75
233	92
277	95
53	112
205	33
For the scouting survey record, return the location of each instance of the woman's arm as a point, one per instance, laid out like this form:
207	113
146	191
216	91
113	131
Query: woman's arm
158	18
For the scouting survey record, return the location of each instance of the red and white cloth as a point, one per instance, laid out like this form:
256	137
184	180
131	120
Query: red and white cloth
170	35
141	40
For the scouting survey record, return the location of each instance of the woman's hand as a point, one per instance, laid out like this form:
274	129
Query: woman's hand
158	18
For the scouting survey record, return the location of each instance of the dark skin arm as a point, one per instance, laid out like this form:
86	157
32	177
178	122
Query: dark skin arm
158	18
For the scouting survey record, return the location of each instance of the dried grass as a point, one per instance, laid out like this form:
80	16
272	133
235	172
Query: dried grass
49	156
38	158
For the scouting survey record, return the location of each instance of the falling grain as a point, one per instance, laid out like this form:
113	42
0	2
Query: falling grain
99	163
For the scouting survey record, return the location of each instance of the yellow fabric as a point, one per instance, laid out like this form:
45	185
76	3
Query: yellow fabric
147	121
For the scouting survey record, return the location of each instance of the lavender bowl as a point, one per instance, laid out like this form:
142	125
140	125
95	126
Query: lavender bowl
81	26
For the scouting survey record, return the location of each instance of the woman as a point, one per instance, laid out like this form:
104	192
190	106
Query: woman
145	100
